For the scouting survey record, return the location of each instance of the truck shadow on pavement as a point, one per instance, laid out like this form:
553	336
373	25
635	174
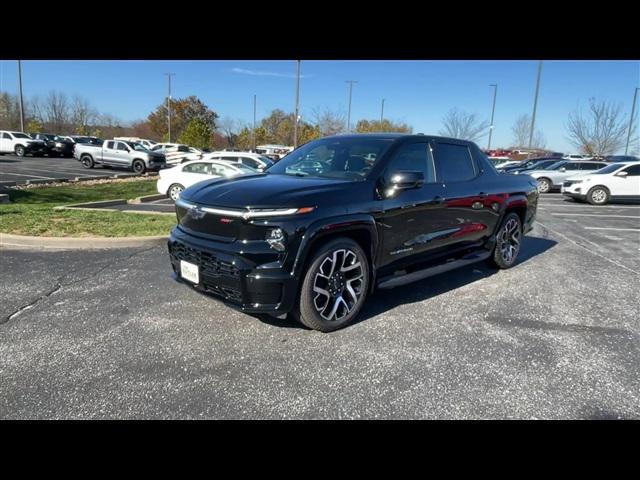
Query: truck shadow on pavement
382	301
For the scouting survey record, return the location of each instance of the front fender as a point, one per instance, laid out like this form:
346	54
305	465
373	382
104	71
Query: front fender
332	226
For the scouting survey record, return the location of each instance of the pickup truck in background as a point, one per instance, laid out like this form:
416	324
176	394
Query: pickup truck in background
55	144
133	156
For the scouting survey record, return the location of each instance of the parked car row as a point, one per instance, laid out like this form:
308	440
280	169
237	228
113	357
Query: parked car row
615	178
42	144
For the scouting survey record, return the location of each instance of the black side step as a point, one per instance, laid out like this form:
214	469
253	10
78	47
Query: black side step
395	280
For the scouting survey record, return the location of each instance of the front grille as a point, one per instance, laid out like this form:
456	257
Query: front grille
217	276
208	263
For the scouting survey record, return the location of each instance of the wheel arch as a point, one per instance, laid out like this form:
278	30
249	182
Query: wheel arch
359	228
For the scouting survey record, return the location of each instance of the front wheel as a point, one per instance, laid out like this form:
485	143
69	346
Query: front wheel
174	191
508	241
20	151
544	185
334	287
598	196
138	166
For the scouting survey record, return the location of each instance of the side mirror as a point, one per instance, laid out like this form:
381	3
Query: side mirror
562	169
403	181
622	174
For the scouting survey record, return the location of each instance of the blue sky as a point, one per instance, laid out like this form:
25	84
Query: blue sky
417	92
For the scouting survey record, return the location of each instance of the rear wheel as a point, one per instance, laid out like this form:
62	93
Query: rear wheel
544	185
87	161
598	195
174	191
334	287
20	151
508	241
138	166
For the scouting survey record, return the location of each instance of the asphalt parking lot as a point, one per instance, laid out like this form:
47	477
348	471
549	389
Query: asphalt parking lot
22	170
110	334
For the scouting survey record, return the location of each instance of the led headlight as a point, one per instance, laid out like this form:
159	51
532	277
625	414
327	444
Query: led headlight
276	239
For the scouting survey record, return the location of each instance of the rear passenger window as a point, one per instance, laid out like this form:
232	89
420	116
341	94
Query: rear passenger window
591	166
413	157
250	162
110	145
454	162
197	168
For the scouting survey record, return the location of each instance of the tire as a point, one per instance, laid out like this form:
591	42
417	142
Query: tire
598	195
339	309
508	242
544	185
20	151
87	161
138	166
174	191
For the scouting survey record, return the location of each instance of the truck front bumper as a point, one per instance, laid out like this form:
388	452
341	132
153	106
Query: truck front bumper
227	273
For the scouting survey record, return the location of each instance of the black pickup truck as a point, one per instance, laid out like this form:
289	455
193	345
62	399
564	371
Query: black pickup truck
318	231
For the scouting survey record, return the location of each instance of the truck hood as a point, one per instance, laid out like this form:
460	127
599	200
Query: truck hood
264	190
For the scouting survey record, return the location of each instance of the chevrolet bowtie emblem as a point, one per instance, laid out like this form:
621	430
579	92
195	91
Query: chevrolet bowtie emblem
195	212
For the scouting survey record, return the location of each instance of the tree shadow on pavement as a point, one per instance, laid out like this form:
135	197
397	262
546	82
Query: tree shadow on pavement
384	300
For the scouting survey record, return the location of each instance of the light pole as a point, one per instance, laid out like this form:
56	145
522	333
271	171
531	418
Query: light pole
633	112
253	140
350	82
295	120
20	90
169	75
493	111
382	113
535	104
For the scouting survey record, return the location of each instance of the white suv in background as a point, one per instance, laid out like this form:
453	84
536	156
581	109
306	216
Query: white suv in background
615	182
20	143
253	160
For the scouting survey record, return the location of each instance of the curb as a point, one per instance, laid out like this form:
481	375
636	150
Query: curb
73	243
147	198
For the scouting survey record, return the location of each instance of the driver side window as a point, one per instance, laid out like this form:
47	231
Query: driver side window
413	157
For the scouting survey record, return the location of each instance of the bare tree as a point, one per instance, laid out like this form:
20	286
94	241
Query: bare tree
229	128
601	131
328	121
463	125
56	111
521	130
82	114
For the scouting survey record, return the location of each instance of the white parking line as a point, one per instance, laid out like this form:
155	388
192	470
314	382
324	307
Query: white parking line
60	171
587	249
611	228
25	175
593	215
590	207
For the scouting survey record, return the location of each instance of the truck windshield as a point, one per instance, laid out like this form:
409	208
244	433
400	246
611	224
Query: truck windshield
138	147
340	158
